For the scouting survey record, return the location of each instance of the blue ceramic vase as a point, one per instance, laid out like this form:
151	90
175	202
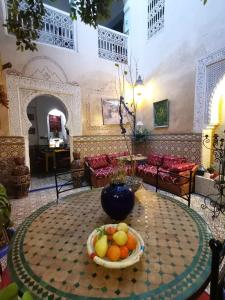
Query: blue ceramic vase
117	200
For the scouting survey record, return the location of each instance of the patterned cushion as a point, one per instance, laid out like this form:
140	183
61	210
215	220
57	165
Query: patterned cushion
103	172
170	160
111	158
168	177
155	159
176	168
150	170
98	162
140	168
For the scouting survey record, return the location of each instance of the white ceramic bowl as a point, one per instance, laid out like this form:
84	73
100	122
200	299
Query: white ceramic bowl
133	258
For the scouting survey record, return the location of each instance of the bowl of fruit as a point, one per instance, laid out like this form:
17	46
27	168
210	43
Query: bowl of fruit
115	246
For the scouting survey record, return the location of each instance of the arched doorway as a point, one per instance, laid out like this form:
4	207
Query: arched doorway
216	115
48	135
22	90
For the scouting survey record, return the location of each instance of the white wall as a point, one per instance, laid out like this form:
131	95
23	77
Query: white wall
83	66
41	106
168	60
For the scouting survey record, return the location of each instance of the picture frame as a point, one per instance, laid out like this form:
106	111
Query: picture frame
161	113
110	112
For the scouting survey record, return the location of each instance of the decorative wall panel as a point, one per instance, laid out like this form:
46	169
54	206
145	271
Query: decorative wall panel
187	145
155	16
210	71
92	145
11	146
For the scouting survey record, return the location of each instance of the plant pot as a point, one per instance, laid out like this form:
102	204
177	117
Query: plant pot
117	200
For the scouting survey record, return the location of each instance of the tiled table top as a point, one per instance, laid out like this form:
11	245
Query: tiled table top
49	255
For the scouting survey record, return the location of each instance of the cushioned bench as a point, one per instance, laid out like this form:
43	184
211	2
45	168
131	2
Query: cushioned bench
102	167
170	173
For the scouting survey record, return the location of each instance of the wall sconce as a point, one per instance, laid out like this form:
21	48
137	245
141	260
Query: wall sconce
139	84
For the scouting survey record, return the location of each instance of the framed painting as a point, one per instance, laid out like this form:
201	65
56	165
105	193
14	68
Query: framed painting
110	112
161	113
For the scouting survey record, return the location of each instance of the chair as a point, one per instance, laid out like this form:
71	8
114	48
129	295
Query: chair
217	276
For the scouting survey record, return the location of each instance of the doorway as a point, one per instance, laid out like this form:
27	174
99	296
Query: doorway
48	138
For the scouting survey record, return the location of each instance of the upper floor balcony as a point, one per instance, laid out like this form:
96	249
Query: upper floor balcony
59	30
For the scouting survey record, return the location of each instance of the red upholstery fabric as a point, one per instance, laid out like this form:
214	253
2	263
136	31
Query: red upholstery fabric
169	161
176	168
103	172
167	177
203	296
140	168
98	162
150	170
155	159
112	158
5	279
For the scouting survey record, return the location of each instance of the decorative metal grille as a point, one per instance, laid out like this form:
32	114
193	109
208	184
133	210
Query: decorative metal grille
155	16
57	29
112	45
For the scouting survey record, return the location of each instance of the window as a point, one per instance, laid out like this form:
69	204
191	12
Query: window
155	16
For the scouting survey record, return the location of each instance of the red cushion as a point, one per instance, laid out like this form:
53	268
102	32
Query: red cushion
103	172
150	170
169	160
176	168
5	280
166	176
155	159
112	158
98	162
203	296
140	168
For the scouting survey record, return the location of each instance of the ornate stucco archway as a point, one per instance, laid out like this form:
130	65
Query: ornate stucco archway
21	90
209	78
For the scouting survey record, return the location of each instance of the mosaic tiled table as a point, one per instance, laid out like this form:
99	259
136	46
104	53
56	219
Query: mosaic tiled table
49	256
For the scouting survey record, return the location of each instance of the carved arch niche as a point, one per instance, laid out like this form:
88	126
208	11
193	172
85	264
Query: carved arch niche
209	79
22	90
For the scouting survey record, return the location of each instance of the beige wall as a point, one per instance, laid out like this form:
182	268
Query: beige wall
167	61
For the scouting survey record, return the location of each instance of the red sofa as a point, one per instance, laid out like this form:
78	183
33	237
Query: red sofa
102	167
170	173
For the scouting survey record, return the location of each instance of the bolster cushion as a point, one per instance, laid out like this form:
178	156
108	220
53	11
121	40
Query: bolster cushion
176	168
98	162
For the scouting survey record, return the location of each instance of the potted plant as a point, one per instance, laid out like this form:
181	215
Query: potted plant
141	135
5	222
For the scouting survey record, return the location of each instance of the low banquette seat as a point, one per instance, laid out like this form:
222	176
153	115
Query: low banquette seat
168	172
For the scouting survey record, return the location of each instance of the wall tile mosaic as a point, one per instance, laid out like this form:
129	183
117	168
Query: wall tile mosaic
187	145
92	145
11	146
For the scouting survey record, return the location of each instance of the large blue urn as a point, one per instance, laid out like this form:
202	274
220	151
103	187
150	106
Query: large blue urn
117	200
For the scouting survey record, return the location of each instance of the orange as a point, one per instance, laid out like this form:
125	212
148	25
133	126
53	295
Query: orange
110	230
131	242
113	253
109	237
124	251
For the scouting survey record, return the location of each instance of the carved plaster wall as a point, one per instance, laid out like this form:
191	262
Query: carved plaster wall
210	71
21	90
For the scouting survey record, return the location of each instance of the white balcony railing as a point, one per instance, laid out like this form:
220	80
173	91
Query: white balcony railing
112	45
58	29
